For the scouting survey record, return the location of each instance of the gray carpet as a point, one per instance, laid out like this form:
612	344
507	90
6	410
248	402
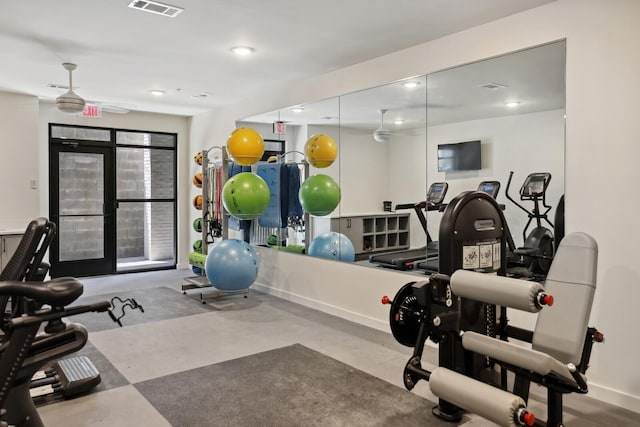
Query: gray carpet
290	386
159	304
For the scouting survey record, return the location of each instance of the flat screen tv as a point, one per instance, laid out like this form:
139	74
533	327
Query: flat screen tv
461	156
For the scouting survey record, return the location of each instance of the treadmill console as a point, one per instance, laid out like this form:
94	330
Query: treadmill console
436	193
490	187
535	186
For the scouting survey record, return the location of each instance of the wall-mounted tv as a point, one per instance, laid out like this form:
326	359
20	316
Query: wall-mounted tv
461	156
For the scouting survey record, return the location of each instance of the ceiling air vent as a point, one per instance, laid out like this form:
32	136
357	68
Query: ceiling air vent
493	86
58	86
157	8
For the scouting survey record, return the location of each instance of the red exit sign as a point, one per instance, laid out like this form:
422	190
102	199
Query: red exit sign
91	111
280	128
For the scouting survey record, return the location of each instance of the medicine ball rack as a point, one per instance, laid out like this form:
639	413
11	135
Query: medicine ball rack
214	222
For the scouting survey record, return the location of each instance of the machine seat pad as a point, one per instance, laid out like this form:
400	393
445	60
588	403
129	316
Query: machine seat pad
57	292
516	355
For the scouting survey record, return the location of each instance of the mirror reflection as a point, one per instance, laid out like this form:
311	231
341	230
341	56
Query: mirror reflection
408	147
287	131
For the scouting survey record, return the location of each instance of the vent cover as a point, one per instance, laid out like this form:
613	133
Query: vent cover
58	86
493	86
157	8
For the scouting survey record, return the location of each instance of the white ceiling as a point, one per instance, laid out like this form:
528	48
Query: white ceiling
533	77
124	53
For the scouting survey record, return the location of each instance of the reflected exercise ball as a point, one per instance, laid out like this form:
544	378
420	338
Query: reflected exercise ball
232	265
332	245
246	146
319	195
197	180
245	195
197	202
321	150
198	158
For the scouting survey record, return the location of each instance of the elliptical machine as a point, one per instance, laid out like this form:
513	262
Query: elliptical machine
537	252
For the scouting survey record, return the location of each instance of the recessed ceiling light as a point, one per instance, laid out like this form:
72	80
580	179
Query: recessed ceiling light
410	85
242	50
399	122
297	109
156	92
512	104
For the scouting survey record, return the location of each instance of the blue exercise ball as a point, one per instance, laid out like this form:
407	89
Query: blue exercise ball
332	245
232	265
196	270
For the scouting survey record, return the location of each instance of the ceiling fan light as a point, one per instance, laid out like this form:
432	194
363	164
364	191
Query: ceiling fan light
70	103
382	135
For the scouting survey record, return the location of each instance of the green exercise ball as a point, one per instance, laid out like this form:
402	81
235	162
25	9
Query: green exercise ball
319	195
197	225
197	246
245	195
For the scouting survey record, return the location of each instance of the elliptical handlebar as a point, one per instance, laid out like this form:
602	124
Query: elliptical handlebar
506	193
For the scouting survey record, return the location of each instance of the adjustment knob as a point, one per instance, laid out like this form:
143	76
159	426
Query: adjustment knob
529	418
386	300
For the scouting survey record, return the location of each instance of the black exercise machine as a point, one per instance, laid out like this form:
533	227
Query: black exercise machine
492	188
457	310
66	378
24	351
60	378
536	253
405	260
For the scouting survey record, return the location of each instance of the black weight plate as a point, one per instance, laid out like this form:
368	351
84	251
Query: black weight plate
404	325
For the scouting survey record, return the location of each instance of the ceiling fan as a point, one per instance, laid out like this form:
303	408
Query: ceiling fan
382	134
71	103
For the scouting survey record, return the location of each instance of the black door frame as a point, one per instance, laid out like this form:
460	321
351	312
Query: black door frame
88	267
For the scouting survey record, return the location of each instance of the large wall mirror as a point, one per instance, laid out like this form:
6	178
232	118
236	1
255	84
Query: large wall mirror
389	137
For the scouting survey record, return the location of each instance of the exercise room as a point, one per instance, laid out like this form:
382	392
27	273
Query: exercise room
237	214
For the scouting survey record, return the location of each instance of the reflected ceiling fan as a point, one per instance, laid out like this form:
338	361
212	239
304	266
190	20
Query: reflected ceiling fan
72	103
382	134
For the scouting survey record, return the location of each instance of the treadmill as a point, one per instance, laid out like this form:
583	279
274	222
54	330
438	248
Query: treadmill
492	188
405	260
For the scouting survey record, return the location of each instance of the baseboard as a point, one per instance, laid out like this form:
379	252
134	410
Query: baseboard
324	307
614	397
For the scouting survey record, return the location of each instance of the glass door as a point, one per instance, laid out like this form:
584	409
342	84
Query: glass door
82	206
146	172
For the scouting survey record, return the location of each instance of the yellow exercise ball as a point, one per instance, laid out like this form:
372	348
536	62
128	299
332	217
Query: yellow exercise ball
246	146
321	150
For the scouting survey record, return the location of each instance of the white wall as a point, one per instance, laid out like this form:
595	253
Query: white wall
18	160
602	148
364	172
133	121
523	143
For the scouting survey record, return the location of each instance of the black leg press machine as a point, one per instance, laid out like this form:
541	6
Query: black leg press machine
464	310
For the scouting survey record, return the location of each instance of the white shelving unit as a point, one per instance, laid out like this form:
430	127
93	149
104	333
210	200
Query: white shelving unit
385	231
